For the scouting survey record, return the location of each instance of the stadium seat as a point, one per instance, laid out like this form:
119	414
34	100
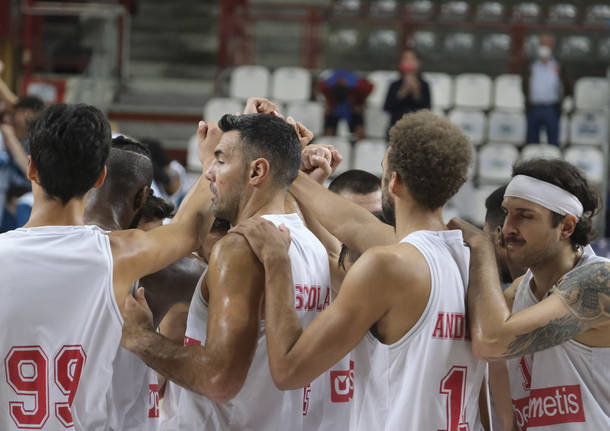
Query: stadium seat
575	48
508	93
490	11
592	94
472	123
540	151
311	114
192	155
382	40
376	122
381	80
589	128
507	126
384	6
526	12
459	44
291	84
344	148
216	107
496	162
598	14
454	10
473	90
441	89
347	5
603	49
589	160
424	41
249	81
562	13
368	155
496	45
420	9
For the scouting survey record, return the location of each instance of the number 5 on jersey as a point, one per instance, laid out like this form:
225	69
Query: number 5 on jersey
27	373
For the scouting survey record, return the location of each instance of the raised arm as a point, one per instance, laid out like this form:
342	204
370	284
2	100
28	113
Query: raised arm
218	368
580	302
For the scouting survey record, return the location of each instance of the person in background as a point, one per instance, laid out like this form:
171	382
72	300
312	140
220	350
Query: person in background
410	93
345	95
544	87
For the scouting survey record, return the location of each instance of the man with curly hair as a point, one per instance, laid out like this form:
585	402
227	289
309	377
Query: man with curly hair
402	305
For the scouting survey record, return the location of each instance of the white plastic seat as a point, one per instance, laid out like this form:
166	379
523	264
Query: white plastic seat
310	114
192	155
496	162
381	80
441	89
472	123
291	84
591	93
540	151
508	93
590	160
216	107
249	81
368	155
588	128
507	127
343	146
473	90
376	122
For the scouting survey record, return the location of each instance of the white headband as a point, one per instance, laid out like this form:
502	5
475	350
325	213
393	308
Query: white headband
545	194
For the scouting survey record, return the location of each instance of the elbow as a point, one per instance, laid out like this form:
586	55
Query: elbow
487	348
221	388
284	378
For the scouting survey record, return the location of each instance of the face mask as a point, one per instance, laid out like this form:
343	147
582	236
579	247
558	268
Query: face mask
408	67
544	52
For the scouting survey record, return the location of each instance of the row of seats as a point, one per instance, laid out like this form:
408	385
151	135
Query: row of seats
582	127
468	90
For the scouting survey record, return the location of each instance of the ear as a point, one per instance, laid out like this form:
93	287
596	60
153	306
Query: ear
567	226
140	198
394	184
32	172
101	178
259	172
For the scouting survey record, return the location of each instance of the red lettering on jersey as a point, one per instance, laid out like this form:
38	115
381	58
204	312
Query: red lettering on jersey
153	400
342	385
314	298
298	303
306	396
451	326
188	341
550	406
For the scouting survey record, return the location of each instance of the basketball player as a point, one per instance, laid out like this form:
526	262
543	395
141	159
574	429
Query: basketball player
61	281
223	365
555	330
402	306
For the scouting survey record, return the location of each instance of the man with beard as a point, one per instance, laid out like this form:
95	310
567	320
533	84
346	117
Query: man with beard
557	337
223	365
401	306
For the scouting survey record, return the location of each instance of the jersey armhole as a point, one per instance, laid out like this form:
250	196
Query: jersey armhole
110	285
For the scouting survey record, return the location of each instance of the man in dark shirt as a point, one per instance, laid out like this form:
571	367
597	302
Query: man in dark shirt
410	93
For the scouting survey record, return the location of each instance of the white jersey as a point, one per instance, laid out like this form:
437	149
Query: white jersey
259	405
429	379
134	394
565	387
61	328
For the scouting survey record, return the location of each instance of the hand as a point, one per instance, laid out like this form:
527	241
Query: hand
266	240
259	105
472	235
7	130
304	134
208	137
137	319
316	161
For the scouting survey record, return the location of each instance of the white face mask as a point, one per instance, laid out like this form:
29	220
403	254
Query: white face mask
544	52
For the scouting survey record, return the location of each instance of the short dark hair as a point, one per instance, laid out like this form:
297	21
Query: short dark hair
31	103
124	143
69	145
127	170
270	137
430	155
493	204
566	176
155	208
355	181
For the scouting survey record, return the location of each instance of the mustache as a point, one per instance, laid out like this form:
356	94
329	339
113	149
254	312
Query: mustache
505	240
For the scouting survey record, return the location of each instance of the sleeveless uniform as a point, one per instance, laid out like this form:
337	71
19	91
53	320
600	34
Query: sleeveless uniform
429	379
60	328
259	405
565	387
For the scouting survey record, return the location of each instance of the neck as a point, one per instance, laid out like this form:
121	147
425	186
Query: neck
108	217
261	203
50	211
411	218
548	272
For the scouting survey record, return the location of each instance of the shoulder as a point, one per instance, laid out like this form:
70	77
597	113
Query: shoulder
121	240
400	262
232	252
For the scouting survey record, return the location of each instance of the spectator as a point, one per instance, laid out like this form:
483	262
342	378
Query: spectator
544	86
410	93
345	95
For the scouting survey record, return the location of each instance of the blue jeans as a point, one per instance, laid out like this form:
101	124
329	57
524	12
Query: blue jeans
546	116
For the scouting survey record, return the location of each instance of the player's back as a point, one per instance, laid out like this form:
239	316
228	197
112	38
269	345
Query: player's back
429	379
61	328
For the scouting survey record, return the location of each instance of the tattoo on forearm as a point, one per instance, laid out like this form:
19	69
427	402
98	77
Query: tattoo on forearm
586	292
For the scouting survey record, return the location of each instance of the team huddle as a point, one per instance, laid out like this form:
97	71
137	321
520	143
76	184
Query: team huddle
309	310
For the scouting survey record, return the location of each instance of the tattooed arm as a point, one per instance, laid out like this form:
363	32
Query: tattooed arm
580	302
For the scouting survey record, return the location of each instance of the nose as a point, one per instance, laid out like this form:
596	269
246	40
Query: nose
210	173
509	228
